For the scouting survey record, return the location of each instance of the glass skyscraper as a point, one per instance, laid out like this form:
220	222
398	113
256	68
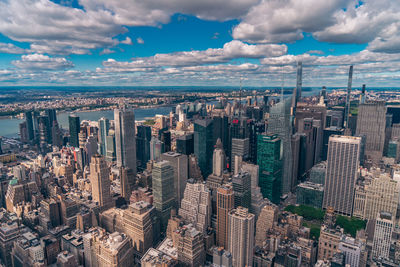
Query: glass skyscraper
125	138
270	163
74	128
203	144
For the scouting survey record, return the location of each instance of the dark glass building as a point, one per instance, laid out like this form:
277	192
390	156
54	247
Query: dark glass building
143	138
74	128
185	144
203	144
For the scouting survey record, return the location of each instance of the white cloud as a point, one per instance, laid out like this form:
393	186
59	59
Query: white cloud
41	62
107	51
127	41
11	49
139	40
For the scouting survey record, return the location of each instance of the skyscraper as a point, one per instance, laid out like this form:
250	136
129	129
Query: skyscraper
128	182
382	235
268	215
241	236
180	164
225	203
184	144
74	129
163	191
203	144
270	163
104	127
125	139
100	181
29	125
143	138
341	173
371	121
280	123
348	98
242	189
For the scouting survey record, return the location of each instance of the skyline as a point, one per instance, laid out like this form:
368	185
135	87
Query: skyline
212	43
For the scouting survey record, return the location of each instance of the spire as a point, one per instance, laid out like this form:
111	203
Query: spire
218	145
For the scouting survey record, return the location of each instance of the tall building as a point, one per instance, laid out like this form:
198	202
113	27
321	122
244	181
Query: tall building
341	173
185	144
241	236
196	206
280	123
371	121
107	250
163	190
74	129
218	159
354	251
270	163
225	203
104	127
156	149
242	189
100	181
382	235
110	147
29	125
240	148
143	138
190	246
128	182
9	233
180	164
125	138
203	144
266	219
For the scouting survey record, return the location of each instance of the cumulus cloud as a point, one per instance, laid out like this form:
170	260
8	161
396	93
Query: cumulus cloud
139	40
41	62
11	49
127	41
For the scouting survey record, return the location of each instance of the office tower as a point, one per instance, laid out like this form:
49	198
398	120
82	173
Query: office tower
51	210
128	182
242	189
23	132
218	159
180	164
44	132
136	221
203	144
379	193
241	236
163	191
110	147
325	139
196	206
240	148
9	233
328	243
185	144
190	246
66	259
270	163
143	138
104	127
225	203
257	199
280	123
125	139
221	130
348	99
74	128
165	137
156	149
298	82
100	181
194	169
382	235
371	121
107	250
265	222
341	173
29	125
354	251
157	258
221	257
310	194
318	172
56	134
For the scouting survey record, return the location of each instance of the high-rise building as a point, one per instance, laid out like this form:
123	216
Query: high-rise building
196	206
382	235
225	203
29	125
190	245
9	233
156	149
242	189
165	137
280	123
266	219
128	182
270	163
310	194
125	138
100	181
329	240
240	148
185	144
203	144
354	251
341	173
371	121
143	138
180	164
163	190
104	127
110	147
241	236
74	128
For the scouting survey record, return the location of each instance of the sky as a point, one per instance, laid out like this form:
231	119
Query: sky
200	43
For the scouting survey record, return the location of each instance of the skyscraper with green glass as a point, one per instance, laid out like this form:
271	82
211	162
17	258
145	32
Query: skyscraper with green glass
204	144
269	159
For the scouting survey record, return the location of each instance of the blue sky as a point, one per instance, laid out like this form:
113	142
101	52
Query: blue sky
184	42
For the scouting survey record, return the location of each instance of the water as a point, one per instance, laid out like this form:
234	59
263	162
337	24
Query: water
9	127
